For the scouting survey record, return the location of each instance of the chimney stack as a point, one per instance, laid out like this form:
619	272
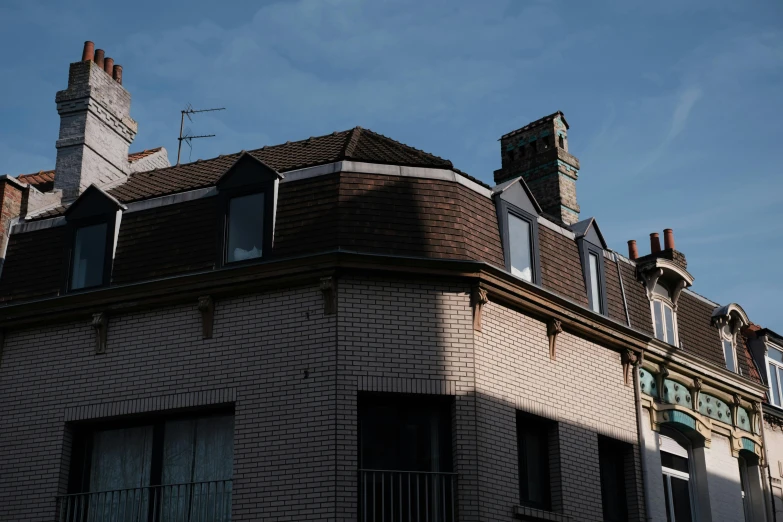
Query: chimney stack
538	152
93	144
655	243
668	238
88	54
99	57
633	252
117	74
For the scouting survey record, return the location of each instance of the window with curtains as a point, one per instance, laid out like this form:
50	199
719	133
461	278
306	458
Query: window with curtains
88	264
173	469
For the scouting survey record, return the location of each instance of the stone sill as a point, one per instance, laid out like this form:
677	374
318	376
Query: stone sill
528	513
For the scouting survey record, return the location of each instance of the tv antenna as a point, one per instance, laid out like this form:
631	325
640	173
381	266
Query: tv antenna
187	137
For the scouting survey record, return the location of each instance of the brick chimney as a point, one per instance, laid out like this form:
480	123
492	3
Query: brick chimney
96	129
539	153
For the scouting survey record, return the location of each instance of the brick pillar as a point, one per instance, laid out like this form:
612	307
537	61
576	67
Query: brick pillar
11	193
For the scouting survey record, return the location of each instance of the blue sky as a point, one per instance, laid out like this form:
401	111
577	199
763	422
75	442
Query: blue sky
675	106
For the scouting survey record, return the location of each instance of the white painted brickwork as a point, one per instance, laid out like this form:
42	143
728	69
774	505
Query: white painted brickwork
724	481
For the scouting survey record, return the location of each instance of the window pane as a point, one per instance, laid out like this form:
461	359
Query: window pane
595	288
728	352
611	456
775	355
681	496
89	253
666	480
658	319
668	315
245	227
533	448
774	384
121	459
675	462
519	247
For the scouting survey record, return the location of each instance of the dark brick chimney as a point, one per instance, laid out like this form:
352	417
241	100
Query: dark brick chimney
539	153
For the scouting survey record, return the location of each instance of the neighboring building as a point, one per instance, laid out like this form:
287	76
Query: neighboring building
348	328
766	347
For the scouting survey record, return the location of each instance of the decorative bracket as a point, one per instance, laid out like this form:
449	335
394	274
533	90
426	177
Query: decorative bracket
695	390
630	360
206	305
478	298
100	323
328	289
737	402
650	280
678	288
662	375
553	328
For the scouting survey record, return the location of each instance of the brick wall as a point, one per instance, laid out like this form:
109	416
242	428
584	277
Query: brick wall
295	446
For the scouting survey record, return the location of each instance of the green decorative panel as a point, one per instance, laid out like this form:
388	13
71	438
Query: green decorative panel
679	417
714	408
647	383
743	419
748	444
676	393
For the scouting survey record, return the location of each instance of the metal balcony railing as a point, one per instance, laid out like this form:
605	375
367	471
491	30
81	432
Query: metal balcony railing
407	496
190	502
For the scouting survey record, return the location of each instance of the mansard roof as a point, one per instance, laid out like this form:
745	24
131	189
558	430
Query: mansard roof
431	211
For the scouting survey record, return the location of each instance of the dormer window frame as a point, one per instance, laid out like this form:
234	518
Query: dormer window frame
666	304
93	208
506	209
774	367
588	250
236	184
729	321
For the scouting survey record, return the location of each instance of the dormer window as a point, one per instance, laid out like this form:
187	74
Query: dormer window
248	194
729	320
89	256
245	227
775	368
518	223
93	221
591	250
663	315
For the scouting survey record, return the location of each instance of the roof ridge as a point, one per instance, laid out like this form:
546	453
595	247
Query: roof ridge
419	152
352	142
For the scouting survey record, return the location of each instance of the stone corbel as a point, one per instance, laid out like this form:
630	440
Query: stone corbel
328	289
630	361
206	306
695	390
478	298
553	329
100	323
756	418
660	377
678	288
735	409
650	280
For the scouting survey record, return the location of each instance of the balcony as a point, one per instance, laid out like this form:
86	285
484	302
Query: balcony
190	502
407	496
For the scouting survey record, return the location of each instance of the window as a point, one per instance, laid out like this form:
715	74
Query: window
675	466
747	501
245	227
561	141
520	247
533	447
405	458
775	368
173	469
729	351
611	456
593	269
89	256
663	314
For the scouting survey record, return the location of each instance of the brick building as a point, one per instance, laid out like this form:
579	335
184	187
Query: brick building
349	328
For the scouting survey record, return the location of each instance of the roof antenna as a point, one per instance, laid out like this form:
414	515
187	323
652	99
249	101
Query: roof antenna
187	136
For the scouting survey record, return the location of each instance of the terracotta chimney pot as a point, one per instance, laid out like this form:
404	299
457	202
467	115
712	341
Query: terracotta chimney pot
117	73
655	243
99	57
89	51
633	252
108	65
668	238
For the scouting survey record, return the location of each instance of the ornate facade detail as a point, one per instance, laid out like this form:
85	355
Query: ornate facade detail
553	329
329	291
100	323
478	298
630	361
695	390
206	306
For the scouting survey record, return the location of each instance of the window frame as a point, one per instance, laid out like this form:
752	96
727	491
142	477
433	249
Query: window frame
543	428
586	248
506	208
689	477
224	216
110	220
731	338
665	301
779	369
